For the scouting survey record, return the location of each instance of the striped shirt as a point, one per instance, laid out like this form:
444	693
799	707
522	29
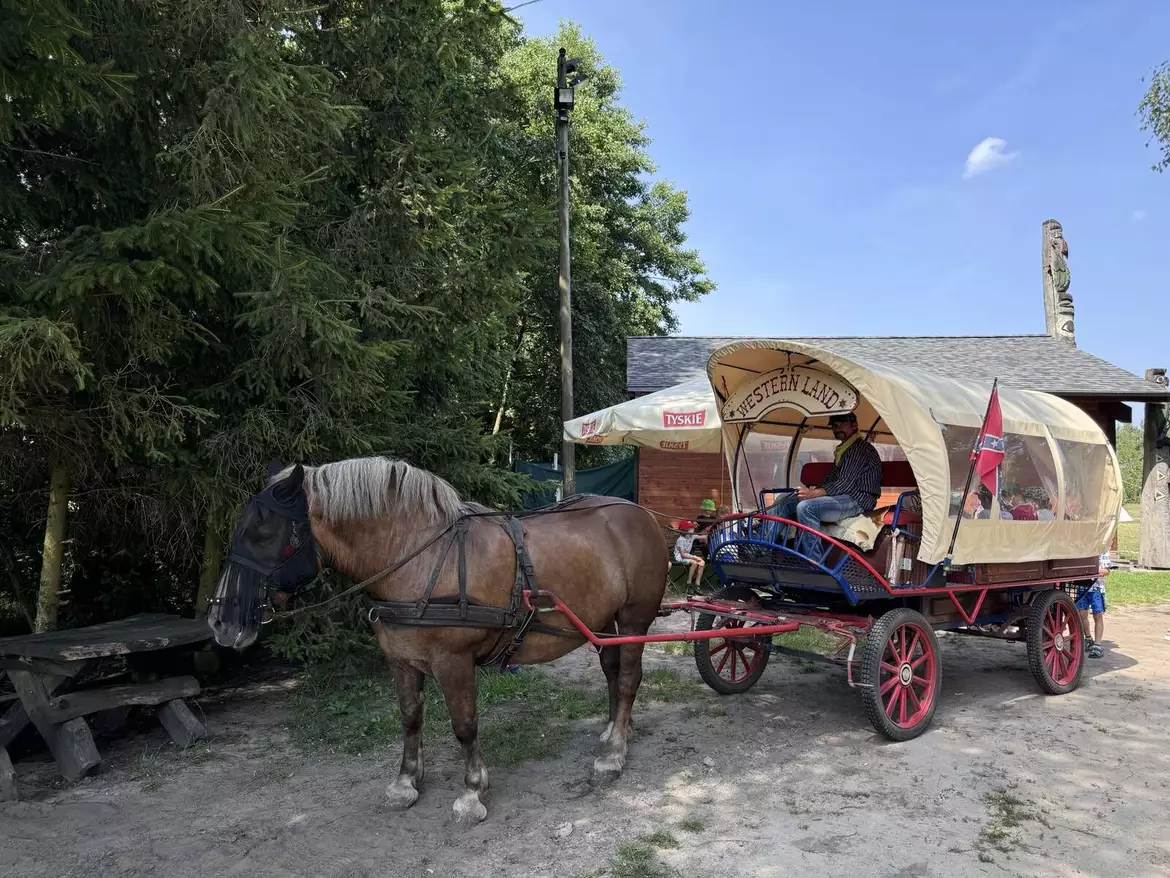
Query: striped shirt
858	474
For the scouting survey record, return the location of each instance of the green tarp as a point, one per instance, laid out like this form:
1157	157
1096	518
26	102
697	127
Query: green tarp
614	480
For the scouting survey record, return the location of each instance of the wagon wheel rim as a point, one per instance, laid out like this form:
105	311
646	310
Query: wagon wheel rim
735	660
1061	651
907	675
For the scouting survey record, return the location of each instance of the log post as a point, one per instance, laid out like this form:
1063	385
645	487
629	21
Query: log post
49	595
209	571
1154	549
7	778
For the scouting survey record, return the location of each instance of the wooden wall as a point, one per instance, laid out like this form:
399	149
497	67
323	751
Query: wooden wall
676	482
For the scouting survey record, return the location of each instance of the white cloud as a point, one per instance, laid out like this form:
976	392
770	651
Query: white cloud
1138	216
987	154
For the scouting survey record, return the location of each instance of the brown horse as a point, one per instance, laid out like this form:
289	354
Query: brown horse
604	558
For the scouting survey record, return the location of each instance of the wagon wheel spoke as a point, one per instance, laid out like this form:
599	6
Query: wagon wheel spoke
748	657
889	706
913	644
1050	663
918	680
734	653
890	669
898	644
917	663
723	662
914	699
902	706
888	685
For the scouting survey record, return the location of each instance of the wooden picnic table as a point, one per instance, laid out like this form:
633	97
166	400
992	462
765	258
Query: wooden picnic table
44	670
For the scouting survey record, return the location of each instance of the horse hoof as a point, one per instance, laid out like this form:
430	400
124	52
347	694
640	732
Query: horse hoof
468	809
607	768
401	794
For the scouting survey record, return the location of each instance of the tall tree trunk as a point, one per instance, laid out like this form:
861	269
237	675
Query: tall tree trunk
508	379
49	596
209	572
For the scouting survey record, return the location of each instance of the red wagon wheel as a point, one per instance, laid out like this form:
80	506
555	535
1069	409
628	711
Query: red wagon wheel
1056	642
901	674
730	665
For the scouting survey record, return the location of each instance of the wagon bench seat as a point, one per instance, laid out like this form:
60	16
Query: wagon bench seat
896	474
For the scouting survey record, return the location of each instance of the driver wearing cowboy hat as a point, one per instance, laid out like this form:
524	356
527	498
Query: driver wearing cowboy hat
850	488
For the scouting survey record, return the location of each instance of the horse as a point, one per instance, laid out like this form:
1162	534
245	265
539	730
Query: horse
386	525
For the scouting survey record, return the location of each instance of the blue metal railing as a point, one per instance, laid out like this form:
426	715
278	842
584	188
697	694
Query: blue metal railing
783	546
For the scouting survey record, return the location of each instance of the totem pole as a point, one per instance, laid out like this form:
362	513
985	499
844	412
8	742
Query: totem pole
1154	548
1058	304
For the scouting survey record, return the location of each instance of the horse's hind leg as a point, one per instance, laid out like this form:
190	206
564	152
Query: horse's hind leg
456	677
611	665
403	791
610	765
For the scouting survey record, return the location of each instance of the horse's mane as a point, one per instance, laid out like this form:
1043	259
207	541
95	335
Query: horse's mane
379	487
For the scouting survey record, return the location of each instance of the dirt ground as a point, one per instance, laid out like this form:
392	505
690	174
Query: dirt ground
786	779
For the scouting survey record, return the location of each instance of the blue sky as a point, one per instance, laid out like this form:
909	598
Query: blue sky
824	147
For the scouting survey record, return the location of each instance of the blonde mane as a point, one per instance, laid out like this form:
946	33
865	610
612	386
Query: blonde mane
377	487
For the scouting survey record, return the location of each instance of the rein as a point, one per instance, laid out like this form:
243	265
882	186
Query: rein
562	506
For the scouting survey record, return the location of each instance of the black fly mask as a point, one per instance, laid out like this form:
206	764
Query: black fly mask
272	550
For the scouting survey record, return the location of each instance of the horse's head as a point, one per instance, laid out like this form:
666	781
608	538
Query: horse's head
273	550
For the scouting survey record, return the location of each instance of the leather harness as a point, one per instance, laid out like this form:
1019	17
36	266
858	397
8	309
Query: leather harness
459	611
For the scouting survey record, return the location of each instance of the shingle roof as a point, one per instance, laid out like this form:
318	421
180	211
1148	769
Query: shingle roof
1030	362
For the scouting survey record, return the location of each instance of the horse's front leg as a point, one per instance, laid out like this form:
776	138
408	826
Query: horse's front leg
456	677
403	791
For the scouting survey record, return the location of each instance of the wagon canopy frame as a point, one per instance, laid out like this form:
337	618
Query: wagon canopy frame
789	388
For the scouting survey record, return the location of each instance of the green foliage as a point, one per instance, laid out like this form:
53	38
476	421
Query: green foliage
1154	110
637	859
1137	588
272	230
1130	456
629	260
353	709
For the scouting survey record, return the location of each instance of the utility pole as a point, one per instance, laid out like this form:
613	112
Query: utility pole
563	102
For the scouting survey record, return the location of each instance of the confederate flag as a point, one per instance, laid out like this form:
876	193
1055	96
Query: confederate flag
988	451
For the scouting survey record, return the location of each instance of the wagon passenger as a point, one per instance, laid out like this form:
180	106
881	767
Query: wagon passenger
851	487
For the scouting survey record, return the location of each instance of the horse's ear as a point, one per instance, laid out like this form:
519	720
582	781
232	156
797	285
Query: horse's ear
274	467
296	478
286	489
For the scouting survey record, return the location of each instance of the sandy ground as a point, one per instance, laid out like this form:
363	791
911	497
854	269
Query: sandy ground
786	779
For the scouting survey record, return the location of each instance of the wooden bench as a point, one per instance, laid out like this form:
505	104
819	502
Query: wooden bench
43	669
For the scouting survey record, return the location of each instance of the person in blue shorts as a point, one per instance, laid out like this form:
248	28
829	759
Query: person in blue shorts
1092	598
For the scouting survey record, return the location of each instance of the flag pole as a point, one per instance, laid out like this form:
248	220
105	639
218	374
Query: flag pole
971	474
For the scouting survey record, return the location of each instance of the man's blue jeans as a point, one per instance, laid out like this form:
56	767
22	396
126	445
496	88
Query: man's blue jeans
813	513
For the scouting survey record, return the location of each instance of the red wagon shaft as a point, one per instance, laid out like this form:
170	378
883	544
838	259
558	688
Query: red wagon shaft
767	624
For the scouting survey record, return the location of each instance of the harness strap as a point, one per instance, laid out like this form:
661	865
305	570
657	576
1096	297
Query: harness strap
458	530
461	538
426	612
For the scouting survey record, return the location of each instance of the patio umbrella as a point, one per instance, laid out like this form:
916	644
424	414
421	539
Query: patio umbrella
679	418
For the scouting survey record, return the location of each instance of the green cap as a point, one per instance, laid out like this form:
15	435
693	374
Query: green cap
708	505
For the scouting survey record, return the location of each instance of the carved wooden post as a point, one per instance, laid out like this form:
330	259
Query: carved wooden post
1154	550
1058	304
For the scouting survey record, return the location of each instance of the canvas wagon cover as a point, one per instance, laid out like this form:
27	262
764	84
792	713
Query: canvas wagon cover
908	404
